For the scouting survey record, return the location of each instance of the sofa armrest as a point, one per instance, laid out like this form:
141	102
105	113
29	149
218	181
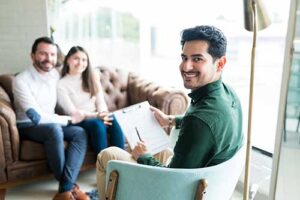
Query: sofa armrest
10	134
171	101
6	86
3	177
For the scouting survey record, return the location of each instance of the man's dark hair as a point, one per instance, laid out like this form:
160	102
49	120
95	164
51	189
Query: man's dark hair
216	39
40	40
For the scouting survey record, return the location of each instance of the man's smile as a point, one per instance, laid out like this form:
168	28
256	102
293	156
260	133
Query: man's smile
188	75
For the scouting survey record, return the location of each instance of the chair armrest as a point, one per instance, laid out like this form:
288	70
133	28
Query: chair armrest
171	101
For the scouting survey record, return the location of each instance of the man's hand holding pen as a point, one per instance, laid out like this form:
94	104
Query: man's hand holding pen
140	148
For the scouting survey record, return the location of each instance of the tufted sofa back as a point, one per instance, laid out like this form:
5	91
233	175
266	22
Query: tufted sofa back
123	88
114	84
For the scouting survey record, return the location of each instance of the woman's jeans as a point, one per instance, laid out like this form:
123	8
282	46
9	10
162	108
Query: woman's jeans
64	163
99	132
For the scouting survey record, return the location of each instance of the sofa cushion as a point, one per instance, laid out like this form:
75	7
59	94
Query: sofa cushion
32	151
35	151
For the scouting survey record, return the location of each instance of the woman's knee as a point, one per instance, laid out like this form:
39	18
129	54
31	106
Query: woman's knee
95	123
115	121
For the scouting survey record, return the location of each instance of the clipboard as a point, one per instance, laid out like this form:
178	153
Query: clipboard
139	123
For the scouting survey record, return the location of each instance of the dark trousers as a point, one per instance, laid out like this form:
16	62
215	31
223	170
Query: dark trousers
98	132
65	163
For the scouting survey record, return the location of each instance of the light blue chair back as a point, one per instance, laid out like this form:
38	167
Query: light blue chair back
142	182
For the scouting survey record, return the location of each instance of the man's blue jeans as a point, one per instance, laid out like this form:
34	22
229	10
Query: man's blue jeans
65	163
98	132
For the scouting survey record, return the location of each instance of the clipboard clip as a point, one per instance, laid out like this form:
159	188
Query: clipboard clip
131	108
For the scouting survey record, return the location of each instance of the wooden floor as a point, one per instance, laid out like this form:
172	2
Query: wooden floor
45	189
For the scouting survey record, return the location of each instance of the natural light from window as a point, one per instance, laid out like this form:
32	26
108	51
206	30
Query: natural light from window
144	36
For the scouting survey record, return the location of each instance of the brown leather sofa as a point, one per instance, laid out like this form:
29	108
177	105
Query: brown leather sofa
23	160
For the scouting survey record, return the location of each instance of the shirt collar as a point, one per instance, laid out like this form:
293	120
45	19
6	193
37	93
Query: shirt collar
199	93
37	75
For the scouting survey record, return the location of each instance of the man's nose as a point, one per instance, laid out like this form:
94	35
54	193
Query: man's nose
187	65
49	57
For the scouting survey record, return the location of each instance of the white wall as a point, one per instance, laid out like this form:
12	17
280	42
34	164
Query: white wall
21	22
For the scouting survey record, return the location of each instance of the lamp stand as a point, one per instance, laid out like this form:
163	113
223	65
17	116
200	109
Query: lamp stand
248	150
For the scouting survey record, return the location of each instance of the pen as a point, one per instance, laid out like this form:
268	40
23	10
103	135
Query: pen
138	134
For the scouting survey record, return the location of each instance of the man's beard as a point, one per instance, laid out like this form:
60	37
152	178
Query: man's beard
44	65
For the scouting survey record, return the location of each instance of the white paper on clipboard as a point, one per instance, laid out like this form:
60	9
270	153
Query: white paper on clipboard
140	117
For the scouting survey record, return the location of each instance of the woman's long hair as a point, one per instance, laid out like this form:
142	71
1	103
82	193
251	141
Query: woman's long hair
89	83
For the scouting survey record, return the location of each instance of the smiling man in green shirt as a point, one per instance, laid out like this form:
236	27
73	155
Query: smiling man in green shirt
211	129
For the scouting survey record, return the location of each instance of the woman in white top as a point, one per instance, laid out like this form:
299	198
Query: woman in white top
80	95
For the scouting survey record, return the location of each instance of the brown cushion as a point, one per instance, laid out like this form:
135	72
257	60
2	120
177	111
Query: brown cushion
32	151
35	151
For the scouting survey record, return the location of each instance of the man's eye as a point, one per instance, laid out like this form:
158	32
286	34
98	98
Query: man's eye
183	58
197	59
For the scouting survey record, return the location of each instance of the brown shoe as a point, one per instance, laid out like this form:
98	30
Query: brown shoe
64	196
78	194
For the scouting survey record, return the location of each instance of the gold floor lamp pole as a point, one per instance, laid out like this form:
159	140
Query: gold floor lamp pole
255	19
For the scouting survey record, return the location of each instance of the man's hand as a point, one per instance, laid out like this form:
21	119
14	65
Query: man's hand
105	117
162	118
139	149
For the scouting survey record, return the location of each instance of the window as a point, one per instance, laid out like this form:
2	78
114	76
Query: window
144	36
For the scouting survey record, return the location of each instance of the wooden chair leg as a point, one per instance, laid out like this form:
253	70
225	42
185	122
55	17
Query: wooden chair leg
2	193
201	189
112	185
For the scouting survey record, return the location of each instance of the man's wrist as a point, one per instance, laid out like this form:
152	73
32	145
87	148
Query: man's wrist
69	122
171	121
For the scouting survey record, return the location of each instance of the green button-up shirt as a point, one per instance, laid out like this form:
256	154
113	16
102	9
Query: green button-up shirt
210	131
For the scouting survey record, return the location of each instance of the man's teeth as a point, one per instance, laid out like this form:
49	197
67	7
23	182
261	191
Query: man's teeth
189	75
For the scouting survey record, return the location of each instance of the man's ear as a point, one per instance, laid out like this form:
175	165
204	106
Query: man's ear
32	56
221	63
